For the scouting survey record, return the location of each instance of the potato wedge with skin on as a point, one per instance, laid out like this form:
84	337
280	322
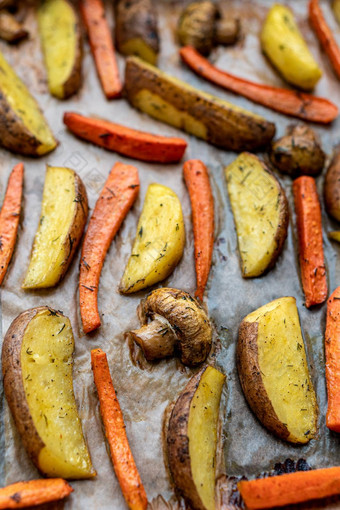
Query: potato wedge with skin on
159	241
331	187
63	217
273	371
62	46
37	373
260	210
192	438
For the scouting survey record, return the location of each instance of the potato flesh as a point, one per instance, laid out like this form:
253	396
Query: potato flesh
159	242
46	363
284	369
57	213
137	46
254	196
25	106
57	26
202	434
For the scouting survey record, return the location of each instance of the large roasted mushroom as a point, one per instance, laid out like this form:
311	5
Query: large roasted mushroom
177	324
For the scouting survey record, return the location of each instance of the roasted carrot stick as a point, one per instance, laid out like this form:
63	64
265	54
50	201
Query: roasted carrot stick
10	217
309	227
102	48
324	34
297	104
202	205
112	416
116	198
34	492
289	489
126	141
332	350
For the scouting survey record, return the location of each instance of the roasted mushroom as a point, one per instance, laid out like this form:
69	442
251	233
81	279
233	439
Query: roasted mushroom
177	323
10	29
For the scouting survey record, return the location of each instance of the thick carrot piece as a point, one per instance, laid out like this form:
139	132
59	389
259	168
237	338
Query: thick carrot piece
202	205
116	199
332	350
102	48
297	104
34	492
324	34
10	217
112	416
289	489
309	227
129	142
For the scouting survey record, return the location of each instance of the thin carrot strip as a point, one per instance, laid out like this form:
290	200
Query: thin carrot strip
324	34
332	350
116	198
309	227
102	48
289	489
297	104
202	204
112	416
34	492
10	217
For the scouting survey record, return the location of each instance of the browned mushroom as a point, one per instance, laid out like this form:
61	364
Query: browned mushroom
10	29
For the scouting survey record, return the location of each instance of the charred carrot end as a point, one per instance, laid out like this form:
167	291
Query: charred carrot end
115	200
102	48
129	142
34	492
10	217
296	104
289	489
202	204
332	350
122	459
309	228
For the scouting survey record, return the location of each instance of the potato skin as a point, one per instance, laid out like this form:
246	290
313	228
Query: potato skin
332	187
72	85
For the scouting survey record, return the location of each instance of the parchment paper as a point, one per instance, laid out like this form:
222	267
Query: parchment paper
144	394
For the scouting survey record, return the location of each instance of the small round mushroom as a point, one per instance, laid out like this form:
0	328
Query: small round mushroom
173	322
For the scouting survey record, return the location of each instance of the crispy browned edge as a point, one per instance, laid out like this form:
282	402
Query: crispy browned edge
226	128
332	186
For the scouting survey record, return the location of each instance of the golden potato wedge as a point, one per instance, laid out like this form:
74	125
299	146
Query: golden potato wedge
62	46
273	371
37	373
23	128
331	187
284	45
192	438
176	103
261	213
63	217
159	241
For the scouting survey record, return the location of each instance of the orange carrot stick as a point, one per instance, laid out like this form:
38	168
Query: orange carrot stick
332	350
102	48
126	141
34	492
289	489
309	227
297	104
10	217
116	198
324	34
202	205
112	416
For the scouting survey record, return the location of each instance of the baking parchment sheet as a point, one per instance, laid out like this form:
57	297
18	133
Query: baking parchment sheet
145	392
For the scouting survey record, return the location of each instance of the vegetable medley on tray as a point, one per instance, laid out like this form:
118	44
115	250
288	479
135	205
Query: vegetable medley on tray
169	243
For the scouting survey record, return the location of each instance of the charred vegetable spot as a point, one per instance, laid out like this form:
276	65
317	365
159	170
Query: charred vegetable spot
16	497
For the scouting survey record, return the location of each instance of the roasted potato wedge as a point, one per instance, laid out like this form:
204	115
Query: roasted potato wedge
63	217
37	373
159	241
176	103
284	45
260	210
332	187
10	29
62	46
273	371
23	128
192	438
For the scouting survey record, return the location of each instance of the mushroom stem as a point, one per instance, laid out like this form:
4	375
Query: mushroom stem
156	339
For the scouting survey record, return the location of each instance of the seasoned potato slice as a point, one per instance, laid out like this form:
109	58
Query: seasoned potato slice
37	370
63	217
260	211
273	371
159	242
